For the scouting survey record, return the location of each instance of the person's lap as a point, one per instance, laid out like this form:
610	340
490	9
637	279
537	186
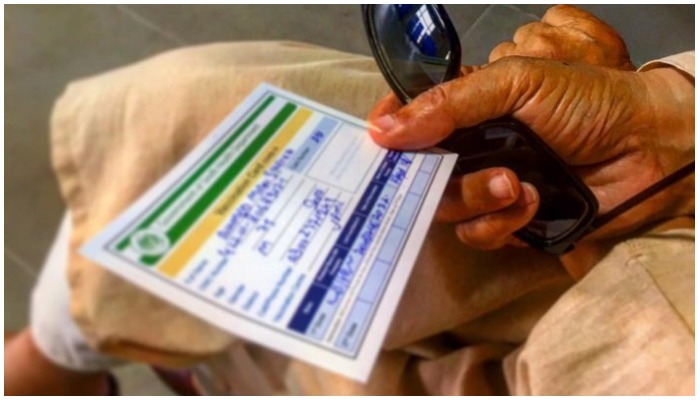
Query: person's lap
455	293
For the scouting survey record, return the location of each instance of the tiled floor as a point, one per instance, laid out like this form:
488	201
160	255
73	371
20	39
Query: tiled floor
47	46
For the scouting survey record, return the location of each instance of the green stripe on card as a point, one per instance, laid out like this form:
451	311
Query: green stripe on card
222	182
196	175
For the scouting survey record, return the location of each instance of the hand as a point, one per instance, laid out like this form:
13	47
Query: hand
620	131
568	34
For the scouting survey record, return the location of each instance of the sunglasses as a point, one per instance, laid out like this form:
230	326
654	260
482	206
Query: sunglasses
417	47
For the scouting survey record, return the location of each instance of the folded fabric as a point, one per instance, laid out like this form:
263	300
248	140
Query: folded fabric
463	311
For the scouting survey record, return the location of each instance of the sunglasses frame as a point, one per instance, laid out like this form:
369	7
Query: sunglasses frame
589	222
453	39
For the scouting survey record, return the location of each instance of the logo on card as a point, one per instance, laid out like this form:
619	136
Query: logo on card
150	243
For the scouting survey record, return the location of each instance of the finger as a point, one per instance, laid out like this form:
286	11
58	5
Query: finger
591	28
390	104
539	39
488	93
565	14
501	50
478	193
529	40
465	70
386	105
421	124
529	31
574	17
494	230
539	46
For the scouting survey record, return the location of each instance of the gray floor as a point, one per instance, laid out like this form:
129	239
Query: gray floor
47	46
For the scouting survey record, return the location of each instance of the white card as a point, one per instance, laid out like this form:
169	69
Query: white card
286	226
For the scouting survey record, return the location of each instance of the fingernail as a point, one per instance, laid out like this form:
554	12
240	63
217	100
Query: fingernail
500	187
529	193
384	123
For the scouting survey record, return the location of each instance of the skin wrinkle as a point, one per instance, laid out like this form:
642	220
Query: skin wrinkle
482	227
612	116
604	103
606	183
619	91
574	103
469	117
562	103
596	117
603	118
606	114
624	117
442	95
564	125
552	122
627	145
543	42
582	36
635	142
489	227
462	191
607	192
661	142
534	79
526	31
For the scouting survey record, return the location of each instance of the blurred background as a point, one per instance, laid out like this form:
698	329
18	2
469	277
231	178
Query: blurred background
48	46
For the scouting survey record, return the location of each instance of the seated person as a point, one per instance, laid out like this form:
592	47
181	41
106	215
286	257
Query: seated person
615	317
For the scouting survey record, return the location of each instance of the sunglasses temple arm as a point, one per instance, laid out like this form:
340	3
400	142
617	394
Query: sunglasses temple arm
642	196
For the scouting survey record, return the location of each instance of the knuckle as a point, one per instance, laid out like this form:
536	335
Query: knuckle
487	227
497	52
439	99
543	46
543	42
521	74
512	65
533	26
465	70
479	230
558	10
438	94
467	234
501	50
463	234
527	31
428	101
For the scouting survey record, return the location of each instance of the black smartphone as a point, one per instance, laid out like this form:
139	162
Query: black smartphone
417	47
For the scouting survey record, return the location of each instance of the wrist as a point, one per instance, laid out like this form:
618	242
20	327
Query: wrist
672	102
671	96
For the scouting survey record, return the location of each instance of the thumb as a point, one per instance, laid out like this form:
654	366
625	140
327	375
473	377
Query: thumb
491	92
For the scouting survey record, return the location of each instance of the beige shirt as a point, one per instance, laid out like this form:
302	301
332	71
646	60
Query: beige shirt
469	322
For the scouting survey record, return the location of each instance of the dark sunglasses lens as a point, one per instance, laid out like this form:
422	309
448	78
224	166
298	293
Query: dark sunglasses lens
414	43
562	207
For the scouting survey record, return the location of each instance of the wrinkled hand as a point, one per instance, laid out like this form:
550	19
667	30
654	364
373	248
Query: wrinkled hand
620	131
568	34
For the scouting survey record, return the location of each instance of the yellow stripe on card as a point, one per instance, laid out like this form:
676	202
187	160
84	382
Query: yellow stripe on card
205	228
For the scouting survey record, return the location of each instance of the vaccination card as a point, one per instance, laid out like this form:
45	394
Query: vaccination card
286	226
